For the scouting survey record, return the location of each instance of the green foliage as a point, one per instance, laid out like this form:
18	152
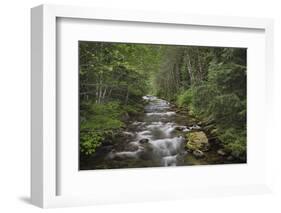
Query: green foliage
211	83
185	98
202	98
90	141
103	117
100	123
228	110
234	142
228	78
113	79
133	109
112	71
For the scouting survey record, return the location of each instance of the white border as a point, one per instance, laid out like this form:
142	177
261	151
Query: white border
138	181
43	191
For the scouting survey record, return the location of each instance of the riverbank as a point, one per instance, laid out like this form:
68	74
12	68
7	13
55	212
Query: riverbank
215	154
163	135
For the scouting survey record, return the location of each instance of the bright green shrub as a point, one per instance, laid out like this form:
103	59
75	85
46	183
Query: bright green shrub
90	141
185	98
103	117
202	98
101	121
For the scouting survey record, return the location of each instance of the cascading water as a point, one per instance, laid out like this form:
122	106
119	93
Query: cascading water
154	137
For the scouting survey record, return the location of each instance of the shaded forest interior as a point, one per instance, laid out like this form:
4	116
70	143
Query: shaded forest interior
208	82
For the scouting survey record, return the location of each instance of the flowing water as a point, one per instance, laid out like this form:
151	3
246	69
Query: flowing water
151	140
154	138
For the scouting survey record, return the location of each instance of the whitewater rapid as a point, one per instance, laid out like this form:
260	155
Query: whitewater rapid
155	137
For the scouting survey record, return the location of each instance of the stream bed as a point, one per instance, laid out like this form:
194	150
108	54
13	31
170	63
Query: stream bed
155	139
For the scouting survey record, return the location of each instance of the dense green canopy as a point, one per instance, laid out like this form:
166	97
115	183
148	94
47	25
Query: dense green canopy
210	82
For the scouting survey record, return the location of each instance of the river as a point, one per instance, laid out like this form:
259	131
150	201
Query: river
155	139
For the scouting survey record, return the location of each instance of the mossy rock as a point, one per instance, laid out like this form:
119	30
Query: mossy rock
196	141
197	137
190	147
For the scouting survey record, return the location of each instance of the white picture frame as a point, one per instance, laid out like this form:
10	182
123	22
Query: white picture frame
44	135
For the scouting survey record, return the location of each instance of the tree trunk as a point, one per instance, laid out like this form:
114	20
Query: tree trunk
200	66
189	69
127	97
97	93
104	93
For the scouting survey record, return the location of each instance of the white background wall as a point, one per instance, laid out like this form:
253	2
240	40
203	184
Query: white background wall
15	104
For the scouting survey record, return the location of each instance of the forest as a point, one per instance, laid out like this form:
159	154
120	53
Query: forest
206	86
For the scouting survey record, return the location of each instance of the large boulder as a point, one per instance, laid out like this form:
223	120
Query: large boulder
197	141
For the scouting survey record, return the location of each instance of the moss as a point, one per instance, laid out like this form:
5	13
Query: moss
197	137
191	147
196	140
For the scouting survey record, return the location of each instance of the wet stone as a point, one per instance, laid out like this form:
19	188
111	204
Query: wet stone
198	153
144	140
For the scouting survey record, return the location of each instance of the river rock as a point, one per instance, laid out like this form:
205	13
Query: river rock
198	153
132	148
125	116
221	152
195	127
180	128
206	147
144	140
127	134
230	158
197	141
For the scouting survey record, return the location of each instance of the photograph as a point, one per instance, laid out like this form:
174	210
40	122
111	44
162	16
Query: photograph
161	105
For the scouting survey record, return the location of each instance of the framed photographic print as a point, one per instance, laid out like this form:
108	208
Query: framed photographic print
143	105
149	106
